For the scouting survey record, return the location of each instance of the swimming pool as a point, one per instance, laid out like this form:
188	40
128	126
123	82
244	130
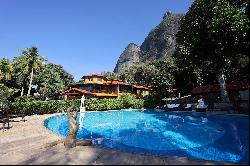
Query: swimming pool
198	135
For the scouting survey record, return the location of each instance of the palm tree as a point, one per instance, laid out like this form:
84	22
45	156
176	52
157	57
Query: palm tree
27	63
34	61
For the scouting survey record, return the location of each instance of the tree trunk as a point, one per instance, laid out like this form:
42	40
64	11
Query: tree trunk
22	91
223	91
31	78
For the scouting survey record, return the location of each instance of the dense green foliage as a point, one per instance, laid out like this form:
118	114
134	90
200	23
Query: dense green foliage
157	74
6	69
109	75
128	100
31	75
29	106
26	98
212	42
31	62
5	95
152	101
42	107
52	80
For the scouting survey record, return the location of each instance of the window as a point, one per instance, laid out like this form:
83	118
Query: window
90	79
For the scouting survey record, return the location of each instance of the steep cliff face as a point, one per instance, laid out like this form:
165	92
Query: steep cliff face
160	43
129	57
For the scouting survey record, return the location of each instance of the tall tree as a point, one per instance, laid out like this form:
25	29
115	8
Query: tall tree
109	75
52	80
6	69
21	73
140	74
160	75
212	36
33	62
164	78
5	97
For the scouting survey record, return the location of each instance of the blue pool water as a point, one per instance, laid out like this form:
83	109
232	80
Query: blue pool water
198	135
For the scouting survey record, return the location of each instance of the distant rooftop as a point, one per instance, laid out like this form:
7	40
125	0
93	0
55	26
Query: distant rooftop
241	85
92	75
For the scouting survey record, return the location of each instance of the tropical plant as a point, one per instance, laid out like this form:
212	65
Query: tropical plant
21	73
160	75
52	80
109	75
128	100
5	95
32	62
164	78
29	106
6	69
153	100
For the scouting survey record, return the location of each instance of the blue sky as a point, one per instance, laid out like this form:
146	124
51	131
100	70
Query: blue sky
84	36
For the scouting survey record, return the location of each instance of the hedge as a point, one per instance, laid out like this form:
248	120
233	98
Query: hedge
152	101
42	107
58	106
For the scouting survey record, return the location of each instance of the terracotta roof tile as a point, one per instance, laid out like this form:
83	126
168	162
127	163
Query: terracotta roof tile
216	88
92	75
79	90
140	87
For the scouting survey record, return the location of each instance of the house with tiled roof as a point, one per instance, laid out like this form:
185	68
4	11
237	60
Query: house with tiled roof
97	85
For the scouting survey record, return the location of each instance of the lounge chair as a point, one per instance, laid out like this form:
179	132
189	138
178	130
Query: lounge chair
173	107
188	107
202	108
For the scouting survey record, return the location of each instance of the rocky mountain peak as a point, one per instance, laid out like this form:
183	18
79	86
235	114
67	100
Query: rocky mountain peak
159	44
167	14
129	57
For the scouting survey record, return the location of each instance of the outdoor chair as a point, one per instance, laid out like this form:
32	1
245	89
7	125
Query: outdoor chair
201	108
173	107
188	107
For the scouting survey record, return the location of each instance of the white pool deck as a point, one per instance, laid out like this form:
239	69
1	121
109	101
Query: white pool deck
25	144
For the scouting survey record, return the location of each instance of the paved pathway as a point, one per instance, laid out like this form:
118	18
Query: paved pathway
25	143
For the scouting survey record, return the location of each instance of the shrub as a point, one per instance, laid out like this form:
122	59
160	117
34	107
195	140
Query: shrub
153	101
93	104
102	104
42	107
24	98
128	100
